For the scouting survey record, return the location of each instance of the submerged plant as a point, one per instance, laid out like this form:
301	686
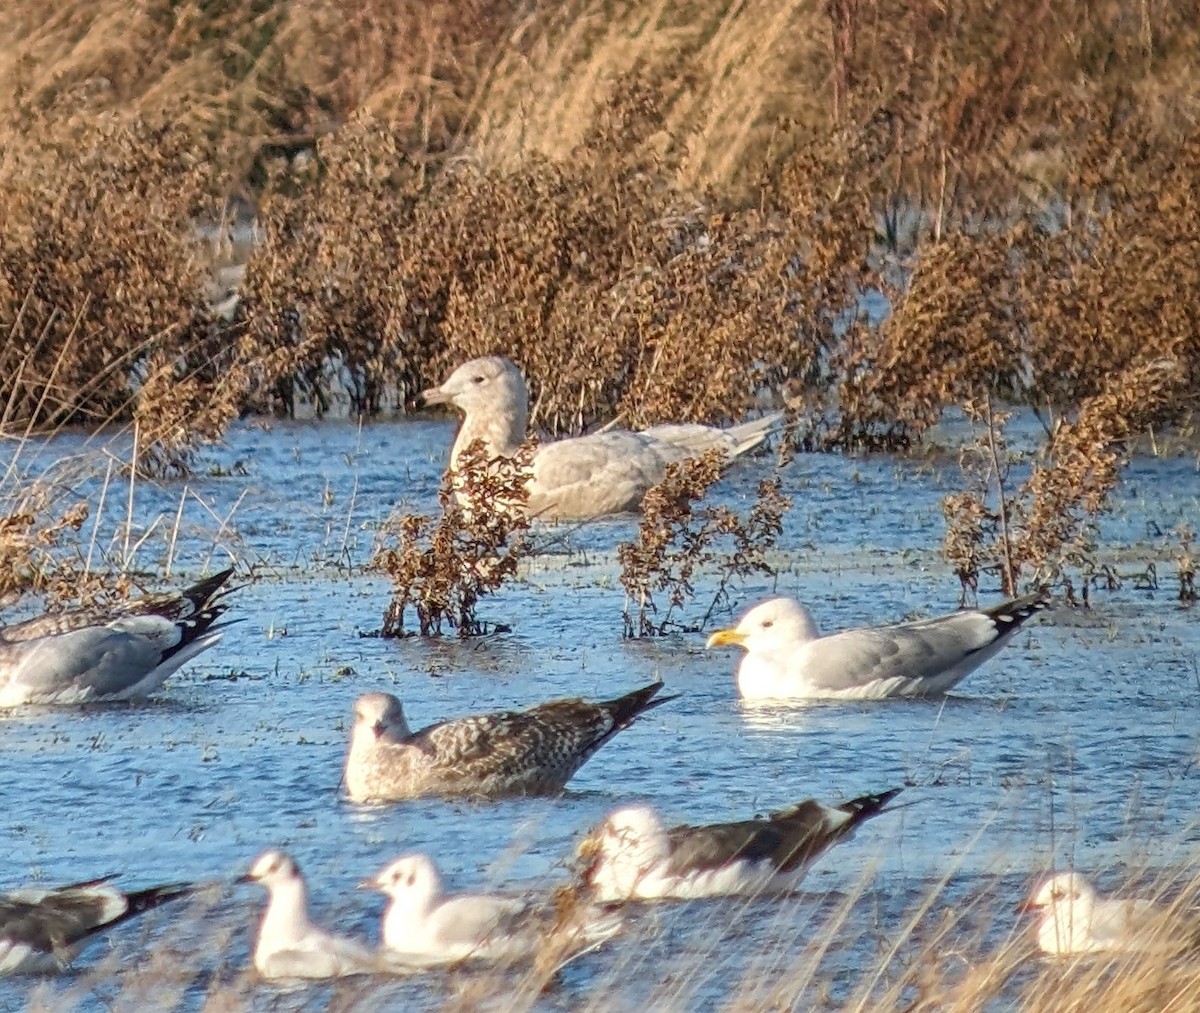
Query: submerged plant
442	569
675	541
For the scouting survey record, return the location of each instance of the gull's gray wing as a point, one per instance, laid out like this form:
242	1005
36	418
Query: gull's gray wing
932	653
603	473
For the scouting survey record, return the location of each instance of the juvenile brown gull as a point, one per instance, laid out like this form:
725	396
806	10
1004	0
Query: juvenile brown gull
631	856
119	652
587	476
529	752
425	924
786	658
289	945
43	929
1075	919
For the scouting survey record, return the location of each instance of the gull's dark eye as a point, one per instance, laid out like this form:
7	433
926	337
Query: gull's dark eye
768	623
478	379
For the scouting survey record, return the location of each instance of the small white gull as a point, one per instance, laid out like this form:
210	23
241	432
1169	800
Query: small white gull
43	929
631	856
786	658
121	652
1075	919
529	752
289	945
425	924
602	473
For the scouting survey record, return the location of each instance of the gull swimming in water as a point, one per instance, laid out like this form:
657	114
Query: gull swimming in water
589	476
529	752
423	923
44	929
289	945
120	652
786	658
1075	919
631	856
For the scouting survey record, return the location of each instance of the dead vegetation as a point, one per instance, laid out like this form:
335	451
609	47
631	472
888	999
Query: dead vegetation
677	540
442	569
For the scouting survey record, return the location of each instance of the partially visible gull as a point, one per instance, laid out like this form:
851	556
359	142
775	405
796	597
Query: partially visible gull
529	752
43	929
786	658
425	924
631	856
289	945
121	652
588	476
1074	919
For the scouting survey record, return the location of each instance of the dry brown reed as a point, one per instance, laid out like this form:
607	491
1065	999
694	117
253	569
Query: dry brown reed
676	540
442	570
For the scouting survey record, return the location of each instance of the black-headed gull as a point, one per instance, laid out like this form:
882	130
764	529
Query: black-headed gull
425	924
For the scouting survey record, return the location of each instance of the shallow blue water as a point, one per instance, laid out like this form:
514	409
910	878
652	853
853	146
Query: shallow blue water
1078	743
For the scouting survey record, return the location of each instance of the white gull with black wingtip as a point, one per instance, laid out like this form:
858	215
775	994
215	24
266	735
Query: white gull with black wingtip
529	752
43	929
120	652
788	659
632	856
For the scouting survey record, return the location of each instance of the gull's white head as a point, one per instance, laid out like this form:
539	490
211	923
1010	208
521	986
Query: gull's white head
619	853
379	716
272	869
410	879
1065	902
488	385
777	625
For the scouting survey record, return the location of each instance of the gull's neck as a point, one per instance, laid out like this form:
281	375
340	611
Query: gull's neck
286	920
501	431
404	925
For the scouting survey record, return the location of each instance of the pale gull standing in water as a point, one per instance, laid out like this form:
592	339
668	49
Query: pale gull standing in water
121	652
632	856
529	752
1074	920
289	945
588	476
425	924
43	929
786	658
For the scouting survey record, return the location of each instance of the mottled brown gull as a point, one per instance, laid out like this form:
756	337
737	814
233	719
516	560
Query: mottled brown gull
587	476
1075	919
632	856
119	652
786	658
43	929
424	923
529	752
289	945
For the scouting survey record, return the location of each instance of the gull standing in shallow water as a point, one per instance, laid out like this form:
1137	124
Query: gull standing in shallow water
289	945
42	930
631	856
425	924
529	752
1074	919
786	658
588	476
122	652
